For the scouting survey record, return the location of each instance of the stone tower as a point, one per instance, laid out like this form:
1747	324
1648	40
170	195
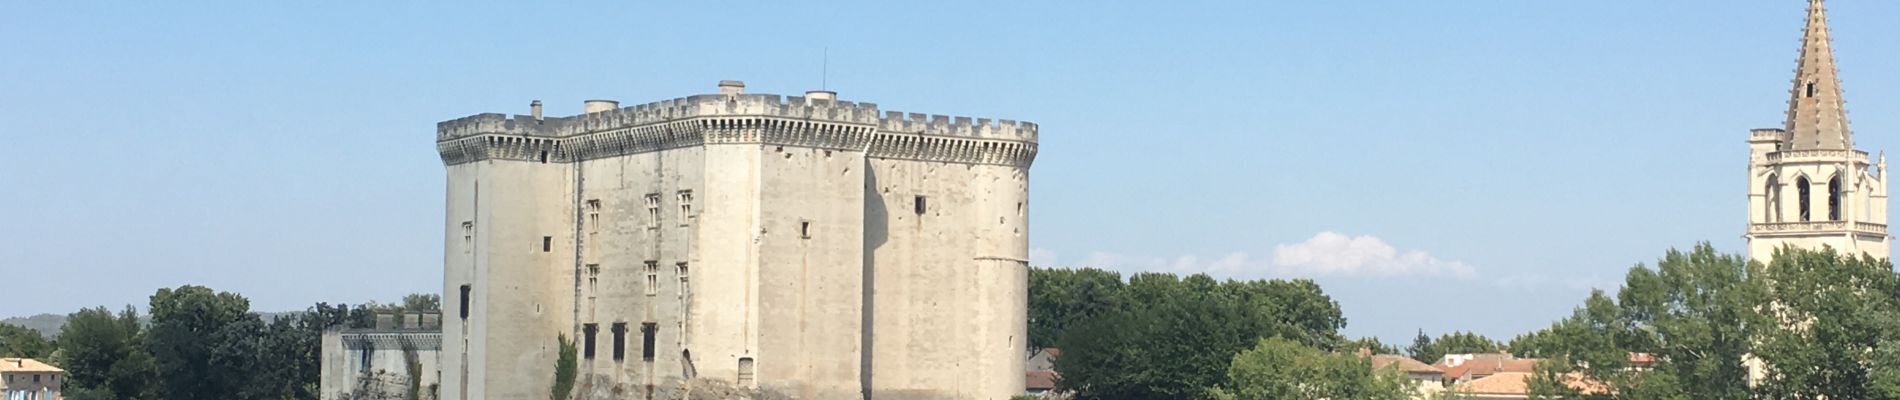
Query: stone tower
1808	186
732	243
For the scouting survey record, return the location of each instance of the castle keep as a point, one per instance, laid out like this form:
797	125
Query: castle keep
1808	186
732	243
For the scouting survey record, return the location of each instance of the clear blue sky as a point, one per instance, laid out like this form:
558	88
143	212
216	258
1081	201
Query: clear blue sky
1511	154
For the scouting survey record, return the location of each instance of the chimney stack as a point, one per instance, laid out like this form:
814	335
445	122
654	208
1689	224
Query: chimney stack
594	106
731	87
534	108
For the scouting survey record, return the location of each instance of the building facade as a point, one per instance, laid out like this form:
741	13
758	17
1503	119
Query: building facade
29	379
1808	186
736	244
400	358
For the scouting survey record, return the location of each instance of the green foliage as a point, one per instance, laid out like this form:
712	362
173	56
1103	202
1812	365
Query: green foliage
201	341
1061	298
1420	348
1371	344
1278	368
422	302
1177	341
564	369
1840	321
1430	351
1821	325
104	356
18	341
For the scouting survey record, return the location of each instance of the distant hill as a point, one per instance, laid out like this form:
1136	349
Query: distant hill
48	324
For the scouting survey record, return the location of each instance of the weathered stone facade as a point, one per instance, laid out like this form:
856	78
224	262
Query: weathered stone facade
399	359
1808	186
736	244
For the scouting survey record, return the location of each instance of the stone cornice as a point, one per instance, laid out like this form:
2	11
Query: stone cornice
428	341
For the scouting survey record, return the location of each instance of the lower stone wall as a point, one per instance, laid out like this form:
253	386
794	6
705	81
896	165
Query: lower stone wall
380	365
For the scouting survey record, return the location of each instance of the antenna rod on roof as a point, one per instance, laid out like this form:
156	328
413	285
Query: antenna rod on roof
824	72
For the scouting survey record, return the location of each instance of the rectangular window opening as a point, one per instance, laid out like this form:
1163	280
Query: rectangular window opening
647	331
620	341
804	229
653	210
920	205
593	215
653	278
745	371
686	206
468	236
587	343
465	290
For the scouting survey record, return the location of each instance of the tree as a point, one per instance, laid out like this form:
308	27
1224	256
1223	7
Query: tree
1839	324
104	356
1420	348
422	302
1060	298
204	342
1179	340
1369	344
1278	368
18	341
1431	351
564	369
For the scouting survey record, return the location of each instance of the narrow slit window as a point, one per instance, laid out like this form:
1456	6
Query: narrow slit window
919	204
587	344
1801	189
547	244
465	290
804	229
468	236
647	331
620	341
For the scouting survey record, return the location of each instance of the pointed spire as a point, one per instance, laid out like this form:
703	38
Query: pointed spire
1817	114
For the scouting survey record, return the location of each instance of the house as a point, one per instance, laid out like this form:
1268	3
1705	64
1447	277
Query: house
29	379
1039	374
1462	368
1427	379
1517	385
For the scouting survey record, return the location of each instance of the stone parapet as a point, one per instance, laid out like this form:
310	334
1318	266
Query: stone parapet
1820	156
1772	228
1769	135
430	341
737	118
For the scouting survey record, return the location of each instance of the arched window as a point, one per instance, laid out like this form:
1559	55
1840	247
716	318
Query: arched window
1834	199
1771	200
1801	189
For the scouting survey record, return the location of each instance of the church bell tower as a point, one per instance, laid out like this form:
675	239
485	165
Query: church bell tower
1808	186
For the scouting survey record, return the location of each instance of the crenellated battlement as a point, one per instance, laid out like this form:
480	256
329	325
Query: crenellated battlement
816	120
940	125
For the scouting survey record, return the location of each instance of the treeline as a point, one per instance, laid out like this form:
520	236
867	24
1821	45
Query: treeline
1809	325
198	344
1157	336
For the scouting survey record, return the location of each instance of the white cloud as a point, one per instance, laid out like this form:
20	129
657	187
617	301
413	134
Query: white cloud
1332	253
1042	257
1328	253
